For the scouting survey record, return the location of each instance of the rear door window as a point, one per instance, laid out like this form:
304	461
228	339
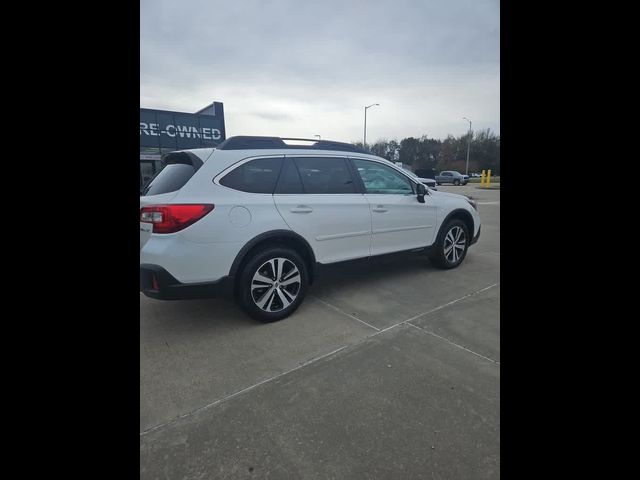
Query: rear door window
325	175
255	176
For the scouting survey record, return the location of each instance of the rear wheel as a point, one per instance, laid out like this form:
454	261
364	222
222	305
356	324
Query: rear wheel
272	284
451	246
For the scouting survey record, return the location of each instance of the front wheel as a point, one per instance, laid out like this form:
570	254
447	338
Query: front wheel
456	183
451	246
272	284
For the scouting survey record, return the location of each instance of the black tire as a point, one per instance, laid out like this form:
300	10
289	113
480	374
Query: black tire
456	182
438	183
274	301
437	253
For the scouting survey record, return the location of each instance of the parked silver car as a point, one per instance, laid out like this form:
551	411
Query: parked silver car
450	176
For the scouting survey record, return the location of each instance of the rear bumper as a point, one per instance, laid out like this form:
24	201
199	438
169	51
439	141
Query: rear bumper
475	239
156	282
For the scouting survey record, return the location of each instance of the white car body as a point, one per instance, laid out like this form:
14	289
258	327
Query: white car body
337	227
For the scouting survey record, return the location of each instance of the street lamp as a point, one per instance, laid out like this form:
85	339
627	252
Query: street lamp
364	141
468	144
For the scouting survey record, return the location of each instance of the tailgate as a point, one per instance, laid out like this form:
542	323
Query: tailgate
178	169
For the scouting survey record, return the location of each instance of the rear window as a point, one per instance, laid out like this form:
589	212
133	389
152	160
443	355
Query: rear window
255	176
179	168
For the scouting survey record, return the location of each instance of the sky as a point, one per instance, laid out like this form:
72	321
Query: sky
301	68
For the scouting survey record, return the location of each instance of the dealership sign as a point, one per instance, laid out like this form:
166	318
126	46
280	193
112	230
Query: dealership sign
153	129
177	130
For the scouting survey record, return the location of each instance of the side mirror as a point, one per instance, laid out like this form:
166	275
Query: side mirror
422	191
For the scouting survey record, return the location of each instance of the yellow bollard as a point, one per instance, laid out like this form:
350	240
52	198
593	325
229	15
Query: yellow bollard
488	178
482	178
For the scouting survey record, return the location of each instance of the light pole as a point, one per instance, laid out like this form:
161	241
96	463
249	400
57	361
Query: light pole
468	144
364	141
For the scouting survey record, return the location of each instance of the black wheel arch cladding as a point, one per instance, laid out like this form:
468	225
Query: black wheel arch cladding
283	238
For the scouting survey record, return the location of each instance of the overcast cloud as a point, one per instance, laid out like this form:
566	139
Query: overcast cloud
301	68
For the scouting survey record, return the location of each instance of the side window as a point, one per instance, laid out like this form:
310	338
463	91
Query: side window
448	174
325	175
378	178
254	176
289	181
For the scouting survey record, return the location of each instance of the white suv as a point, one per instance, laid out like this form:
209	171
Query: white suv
257	216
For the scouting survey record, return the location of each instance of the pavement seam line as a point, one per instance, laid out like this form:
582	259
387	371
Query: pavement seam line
344	313
429	332
239	392
450	303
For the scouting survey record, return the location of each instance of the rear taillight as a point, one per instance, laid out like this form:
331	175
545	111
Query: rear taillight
173	218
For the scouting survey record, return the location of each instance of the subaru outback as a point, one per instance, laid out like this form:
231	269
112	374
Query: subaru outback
256	217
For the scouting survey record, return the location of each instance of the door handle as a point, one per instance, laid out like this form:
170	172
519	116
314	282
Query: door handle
379	208
301	209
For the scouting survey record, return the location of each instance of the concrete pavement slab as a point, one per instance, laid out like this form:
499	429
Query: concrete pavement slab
402	404
388	290
194	352
473	323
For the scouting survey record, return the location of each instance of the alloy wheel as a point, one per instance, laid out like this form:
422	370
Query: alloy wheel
454	244
275	285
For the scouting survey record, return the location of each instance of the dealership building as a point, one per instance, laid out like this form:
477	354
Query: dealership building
162	131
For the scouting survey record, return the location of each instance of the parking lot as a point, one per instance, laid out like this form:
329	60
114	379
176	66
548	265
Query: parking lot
389	369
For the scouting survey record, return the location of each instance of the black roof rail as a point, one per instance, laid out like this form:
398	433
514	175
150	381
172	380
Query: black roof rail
258	143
